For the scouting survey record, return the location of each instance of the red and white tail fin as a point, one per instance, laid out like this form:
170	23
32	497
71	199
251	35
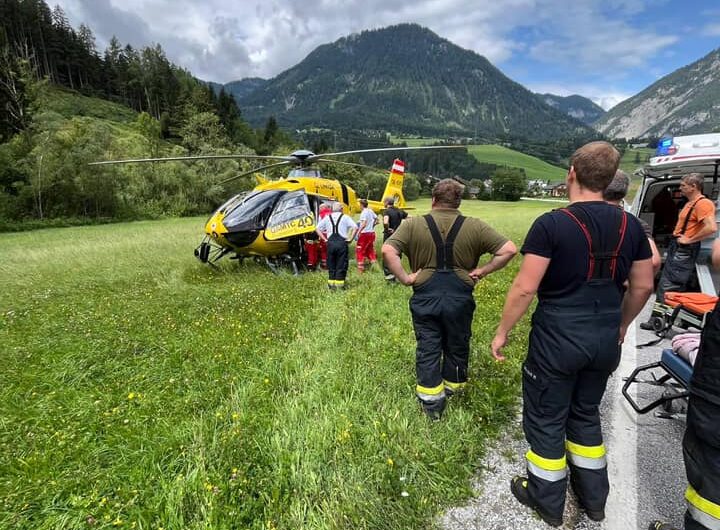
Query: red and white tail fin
393	188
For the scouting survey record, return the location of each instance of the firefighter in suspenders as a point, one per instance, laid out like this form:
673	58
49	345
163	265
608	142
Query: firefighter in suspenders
338	230
443	248
577	260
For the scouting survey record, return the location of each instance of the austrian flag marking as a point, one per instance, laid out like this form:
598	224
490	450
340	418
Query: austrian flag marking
398	166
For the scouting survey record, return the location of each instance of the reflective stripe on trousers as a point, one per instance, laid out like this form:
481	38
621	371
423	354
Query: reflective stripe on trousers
705	512
436	393
586	457
550	469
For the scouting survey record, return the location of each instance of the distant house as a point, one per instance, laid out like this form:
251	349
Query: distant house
536	188
557	189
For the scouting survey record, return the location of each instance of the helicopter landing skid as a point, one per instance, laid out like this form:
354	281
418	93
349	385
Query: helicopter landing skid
276	264
209	253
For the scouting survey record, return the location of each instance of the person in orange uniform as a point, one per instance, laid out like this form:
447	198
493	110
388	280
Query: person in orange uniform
695	223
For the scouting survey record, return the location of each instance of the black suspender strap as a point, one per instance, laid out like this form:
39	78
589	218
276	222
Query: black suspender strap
687	217
335	227
444	249
603	259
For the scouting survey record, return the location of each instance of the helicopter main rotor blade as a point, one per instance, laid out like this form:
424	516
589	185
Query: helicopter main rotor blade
187	158
315	157
255	170
348	164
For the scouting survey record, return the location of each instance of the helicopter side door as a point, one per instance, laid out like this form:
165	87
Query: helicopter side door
292	216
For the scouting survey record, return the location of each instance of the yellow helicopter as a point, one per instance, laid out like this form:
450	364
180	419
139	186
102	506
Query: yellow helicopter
271	222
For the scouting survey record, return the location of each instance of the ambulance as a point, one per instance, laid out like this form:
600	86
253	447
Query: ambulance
659	201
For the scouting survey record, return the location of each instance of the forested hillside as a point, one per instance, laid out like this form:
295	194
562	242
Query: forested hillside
51	77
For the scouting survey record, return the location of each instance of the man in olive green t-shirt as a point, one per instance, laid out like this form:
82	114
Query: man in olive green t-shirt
443	249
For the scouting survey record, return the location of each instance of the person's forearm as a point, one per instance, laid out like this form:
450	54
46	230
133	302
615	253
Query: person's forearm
392	261
633	302
704	233
516	304
496	263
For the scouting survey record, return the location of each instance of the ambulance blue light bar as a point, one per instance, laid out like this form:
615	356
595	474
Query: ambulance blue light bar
666	147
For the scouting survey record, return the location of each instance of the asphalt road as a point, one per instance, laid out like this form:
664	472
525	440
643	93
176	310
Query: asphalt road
647	477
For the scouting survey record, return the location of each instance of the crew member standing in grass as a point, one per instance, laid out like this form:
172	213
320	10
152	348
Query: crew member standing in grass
695	223
338	230
576	259
443	248
392	217
365	248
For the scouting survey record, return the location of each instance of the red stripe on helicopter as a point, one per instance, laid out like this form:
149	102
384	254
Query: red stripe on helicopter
398	166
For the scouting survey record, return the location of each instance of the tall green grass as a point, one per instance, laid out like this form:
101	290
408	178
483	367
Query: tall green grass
143	390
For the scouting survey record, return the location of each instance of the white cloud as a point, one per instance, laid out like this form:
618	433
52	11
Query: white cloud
223	41
606	98
711	30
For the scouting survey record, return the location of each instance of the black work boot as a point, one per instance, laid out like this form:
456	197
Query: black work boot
593	515
659	525
518	487
647	326
433	409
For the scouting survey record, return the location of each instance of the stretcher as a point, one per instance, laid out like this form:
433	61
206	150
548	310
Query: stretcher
685	310
675	380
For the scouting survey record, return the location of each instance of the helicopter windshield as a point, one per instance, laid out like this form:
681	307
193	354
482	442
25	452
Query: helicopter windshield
253	212
292	216
232	202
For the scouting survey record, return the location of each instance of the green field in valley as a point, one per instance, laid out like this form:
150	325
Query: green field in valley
535	169
413	141
143	390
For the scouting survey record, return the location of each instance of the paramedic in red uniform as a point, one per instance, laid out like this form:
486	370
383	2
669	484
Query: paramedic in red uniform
695	223
576	259
701	444
365	248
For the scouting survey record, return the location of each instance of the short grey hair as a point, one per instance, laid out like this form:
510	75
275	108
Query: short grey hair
694	179
618	187
337	207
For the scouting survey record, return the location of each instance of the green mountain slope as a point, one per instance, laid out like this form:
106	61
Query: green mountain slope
405	79
535	169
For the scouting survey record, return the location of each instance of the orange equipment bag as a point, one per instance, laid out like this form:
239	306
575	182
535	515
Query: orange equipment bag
698	303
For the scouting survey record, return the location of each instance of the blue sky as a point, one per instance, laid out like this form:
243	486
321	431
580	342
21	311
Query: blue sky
606	51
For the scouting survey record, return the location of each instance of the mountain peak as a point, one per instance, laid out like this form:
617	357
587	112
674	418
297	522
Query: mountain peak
682	102
405	79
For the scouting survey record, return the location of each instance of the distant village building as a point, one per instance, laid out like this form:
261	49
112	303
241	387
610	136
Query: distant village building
537	188
557	189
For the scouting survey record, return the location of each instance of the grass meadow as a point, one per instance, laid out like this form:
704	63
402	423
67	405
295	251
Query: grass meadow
143	390
535	169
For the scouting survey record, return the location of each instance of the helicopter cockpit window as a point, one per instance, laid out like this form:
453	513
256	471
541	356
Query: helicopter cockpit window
253	212
292	216
232	202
